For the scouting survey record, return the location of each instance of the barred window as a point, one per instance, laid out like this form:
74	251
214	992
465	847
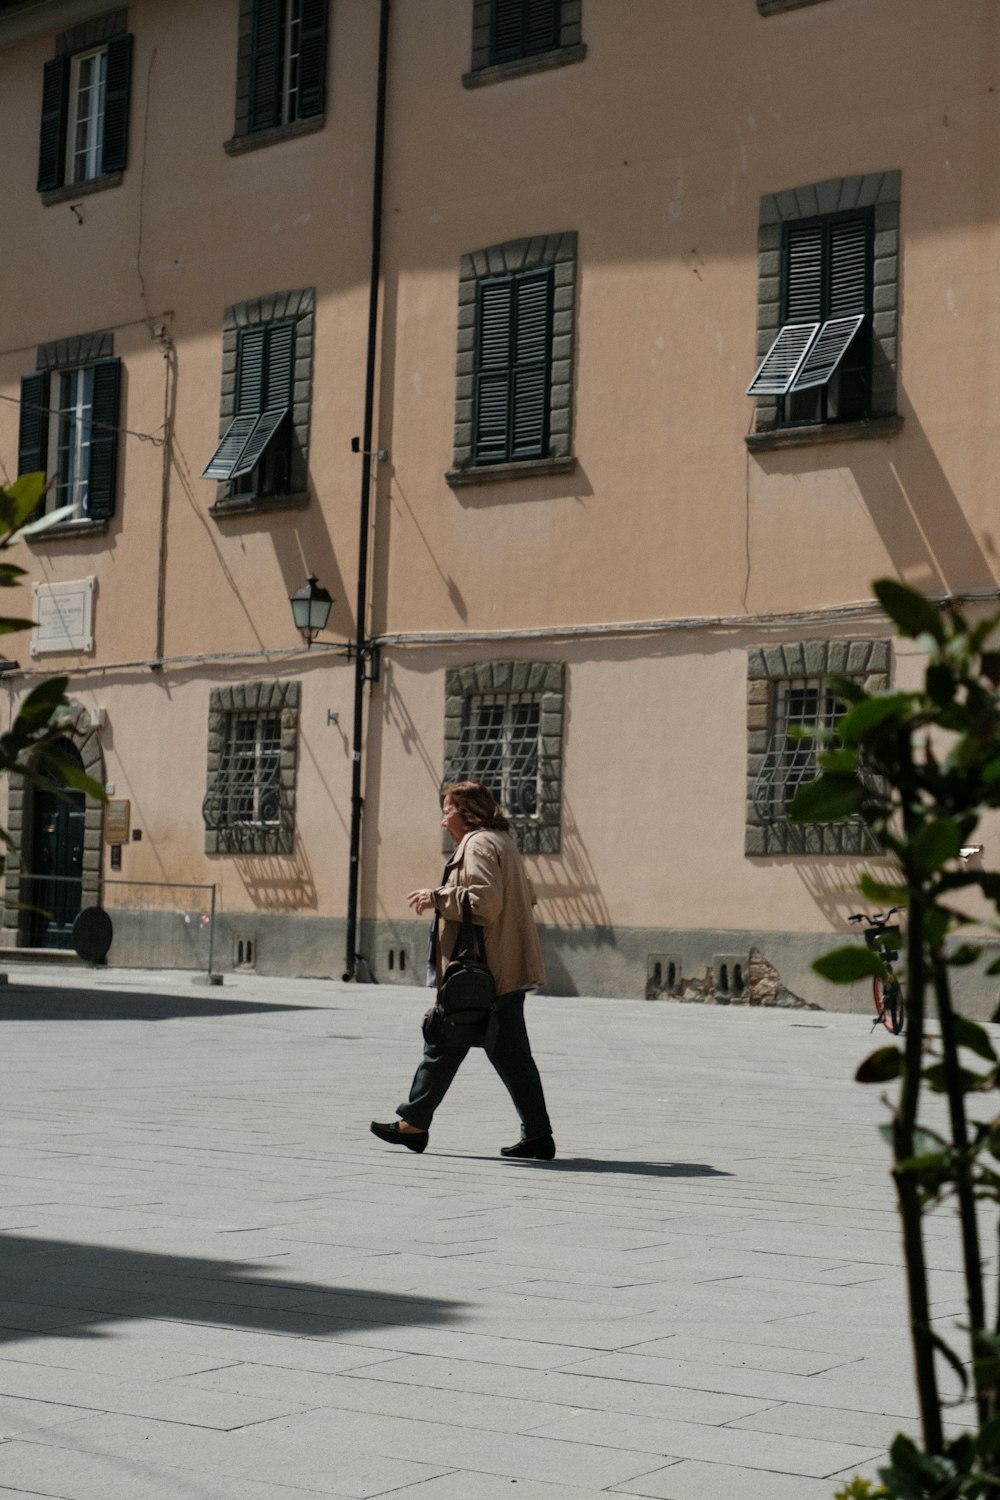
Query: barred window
783	707
800	705
504	727
500	748
250	801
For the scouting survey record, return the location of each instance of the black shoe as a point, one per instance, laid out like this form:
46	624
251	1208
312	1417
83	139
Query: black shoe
542	1148
396	1137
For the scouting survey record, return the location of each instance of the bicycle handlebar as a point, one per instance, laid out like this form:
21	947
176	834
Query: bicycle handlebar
878	920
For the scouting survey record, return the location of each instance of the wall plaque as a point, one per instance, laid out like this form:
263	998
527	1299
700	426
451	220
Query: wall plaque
117	814
63	615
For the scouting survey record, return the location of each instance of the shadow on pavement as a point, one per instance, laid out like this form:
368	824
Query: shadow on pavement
28	1003
606	1164
60	1289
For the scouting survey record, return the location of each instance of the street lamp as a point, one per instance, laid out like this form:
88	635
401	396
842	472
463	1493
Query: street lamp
311	605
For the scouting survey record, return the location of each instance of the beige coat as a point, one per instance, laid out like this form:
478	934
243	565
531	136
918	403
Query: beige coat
487	865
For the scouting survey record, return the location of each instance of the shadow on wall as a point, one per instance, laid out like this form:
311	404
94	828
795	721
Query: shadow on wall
100	1286
279	882
834	888
570	899
917	515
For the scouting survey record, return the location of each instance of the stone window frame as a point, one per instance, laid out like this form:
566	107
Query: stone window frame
255	698
868	661
529	253
89	34
535	835
78	728
244	139
879	191
277	306
571	48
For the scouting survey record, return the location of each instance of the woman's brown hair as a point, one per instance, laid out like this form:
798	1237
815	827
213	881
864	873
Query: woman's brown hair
476	804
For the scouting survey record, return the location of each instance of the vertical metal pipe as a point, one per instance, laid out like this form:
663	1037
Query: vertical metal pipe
361	652
211	935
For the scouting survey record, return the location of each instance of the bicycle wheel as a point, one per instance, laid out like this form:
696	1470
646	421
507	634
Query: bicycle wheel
889	1004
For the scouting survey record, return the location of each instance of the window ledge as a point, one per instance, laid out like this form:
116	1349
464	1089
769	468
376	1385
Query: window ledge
773	7
72	190
256	139
253	505
541	62
68	530
827	432
487	473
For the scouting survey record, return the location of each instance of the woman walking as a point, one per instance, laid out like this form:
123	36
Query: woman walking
487	867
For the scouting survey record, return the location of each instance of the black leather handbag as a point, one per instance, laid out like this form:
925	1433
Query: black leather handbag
465	1014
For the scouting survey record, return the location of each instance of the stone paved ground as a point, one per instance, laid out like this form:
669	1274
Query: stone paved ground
216	1285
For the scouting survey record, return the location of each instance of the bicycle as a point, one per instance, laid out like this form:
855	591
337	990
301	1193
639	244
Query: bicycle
887	993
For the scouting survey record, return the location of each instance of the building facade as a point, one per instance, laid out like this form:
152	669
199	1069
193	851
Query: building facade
676	347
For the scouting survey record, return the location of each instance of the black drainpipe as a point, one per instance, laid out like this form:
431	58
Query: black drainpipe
365	656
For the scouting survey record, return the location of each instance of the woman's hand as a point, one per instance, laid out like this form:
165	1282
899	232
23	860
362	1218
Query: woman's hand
421	901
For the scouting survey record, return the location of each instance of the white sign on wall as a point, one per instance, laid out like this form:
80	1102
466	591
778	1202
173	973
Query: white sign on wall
63	615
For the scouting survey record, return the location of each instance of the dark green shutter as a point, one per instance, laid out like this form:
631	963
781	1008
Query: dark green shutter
250	370
312	58
277	391
532	346
803	279
265	65
541	25
849	261
33	429
116	97
506	30
52	140
494	339
104	440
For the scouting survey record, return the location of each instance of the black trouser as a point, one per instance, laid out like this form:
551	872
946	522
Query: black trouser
511	1057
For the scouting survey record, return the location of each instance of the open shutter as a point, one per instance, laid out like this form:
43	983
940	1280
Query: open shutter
312	57
104	440
52	140
33	430
265	428
783	360
533	342
231	445
541	25
265	65
264	373
116	97
493	377
828	349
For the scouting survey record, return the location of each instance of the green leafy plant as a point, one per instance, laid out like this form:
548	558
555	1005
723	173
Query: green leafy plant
920	769
44	715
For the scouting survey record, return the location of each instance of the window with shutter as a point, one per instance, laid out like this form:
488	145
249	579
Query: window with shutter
522	28
820	361
253	453
513	367
69	431
286	69
513	37
85	108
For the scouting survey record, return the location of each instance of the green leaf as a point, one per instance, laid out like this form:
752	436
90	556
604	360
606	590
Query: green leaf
845	965
840	762
948	1353
936	1078
71	775
964	955
880	1066
21	498
934	844
826	800
41	703
941	683
870	713
884	895
970	1034
9	624
911	612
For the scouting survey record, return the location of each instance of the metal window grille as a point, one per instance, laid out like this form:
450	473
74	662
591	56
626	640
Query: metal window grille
500	747
72	432
246	795
291	59
88	86
790	759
